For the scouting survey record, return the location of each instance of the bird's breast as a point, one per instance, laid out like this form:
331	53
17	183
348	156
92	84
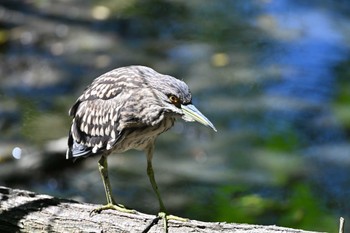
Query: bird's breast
140	138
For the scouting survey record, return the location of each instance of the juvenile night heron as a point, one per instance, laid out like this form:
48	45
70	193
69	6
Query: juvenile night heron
127	108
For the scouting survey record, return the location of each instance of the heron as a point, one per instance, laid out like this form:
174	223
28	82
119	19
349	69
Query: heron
127	108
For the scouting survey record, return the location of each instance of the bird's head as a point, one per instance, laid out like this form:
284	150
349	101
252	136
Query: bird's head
176	98
189	112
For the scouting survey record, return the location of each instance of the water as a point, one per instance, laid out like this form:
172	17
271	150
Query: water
270	75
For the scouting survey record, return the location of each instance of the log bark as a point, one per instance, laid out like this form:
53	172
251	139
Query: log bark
24	211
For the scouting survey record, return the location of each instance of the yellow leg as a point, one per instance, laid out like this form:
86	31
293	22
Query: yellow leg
162	211
111	204
150	174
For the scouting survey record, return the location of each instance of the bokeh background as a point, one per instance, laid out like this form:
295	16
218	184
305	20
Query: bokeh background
272	75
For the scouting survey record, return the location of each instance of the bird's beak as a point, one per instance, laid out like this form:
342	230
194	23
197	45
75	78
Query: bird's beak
191	113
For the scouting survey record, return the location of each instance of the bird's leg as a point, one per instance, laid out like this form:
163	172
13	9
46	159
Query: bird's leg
111	204
162	211
150	174
103	168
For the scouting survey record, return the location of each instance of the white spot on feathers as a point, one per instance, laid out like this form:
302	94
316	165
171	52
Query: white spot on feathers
107	130
101	131
89	119
86	128
113	134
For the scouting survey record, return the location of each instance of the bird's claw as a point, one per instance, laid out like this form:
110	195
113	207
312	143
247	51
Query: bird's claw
173	217
111	206
165	217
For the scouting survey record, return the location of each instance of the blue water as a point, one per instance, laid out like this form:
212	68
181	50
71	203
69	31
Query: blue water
295	47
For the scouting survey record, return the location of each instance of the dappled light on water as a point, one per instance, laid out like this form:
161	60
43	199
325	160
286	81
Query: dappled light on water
272	76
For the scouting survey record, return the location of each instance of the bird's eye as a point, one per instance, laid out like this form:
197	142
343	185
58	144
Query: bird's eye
174	100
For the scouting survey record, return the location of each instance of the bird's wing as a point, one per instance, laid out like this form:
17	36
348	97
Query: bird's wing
102	88
95	125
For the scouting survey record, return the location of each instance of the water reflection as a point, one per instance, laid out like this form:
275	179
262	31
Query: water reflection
271	75
308	45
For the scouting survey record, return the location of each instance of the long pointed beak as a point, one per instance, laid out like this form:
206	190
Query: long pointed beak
191	113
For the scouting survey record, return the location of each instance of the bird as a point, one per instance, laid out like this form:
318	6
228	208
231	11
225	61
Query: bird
127	108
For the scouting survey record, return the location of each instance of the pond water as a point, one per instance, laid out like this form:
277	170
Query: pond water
271	75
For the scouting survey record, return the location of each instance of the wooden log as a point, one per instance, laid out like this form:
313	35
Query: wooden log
24	211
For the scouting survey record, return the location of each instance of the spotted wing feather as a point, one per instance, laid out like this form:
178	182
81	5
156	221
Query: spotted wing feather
96	116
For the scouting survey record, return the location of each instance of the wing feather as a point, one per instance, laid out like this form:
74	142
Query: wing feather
99	116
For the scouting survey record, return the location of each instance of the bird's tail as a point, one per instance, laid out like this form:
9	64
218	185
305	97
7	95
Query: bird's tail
76	150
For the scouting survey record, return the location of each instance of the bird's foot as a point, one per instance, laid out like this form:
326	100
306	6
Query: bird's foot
166	217
163	215
111	206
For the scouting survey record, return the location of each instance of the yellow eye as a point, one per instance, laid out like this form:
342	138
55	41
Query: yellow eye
174	100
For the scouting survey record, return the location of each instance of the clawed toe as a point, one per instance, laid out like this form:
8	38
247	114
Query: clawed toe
109	206
173	217
165	217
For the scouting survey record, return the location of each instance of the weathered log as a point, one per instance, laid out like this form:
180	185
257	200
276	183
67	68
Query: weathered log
24	211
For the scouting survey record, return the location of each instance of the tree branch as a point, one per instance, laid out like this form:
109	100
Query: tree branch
24	211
